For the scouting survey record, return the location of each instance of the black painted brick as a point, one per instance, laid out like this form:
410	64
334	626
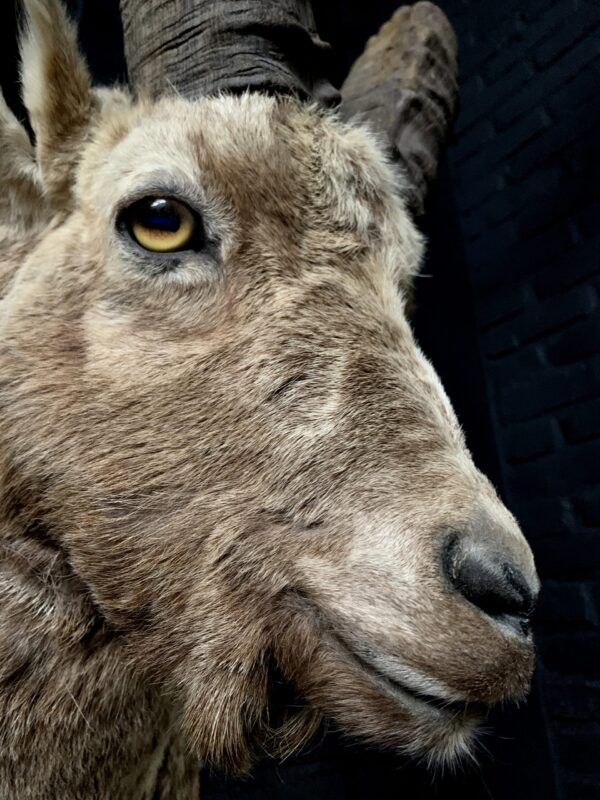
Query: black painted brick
549	516
495	68
572	654
574	93
557	388
577	750
562	39
494	307
502	146
532	92
547	16
528	441
580	154
582	788
478	47
555	138
524	364
578	341
581	465
496	343
496	208
533	193
521	73
536	478
493	15
575	266
532	9
593	592
557	472
569	557
535	252
474	141
587	505
482	242
494	50
561	603
492	267
582	423
525	176
555	313
483	191
470	89
587	220
572	702
548	208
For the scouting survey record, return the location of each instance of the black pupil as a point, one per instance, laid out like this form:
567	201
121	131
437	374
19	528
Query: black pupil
159	215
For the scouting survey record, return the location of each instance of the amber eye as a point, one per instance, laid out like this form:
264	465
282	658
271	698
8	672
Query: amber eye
162	224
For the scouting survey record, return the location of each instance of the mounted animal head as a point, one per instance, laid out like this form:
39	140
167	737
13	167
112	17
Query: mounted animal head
211	401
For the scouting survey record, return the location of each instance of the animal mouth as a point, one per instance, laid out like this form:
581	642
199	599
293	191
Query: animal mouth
420	703
415	700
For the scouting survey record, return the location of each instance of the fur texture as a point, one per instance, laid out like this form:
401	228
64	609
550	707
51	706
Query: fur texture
225	479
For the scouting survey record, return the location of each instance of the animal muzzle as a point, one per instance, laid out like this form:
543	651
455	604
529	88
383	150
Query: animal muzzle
492	586
492	580
491	567
449	618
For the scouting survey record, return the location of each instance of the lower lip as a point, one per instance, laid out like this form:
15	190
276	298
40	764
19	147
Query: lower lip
453	708
450	708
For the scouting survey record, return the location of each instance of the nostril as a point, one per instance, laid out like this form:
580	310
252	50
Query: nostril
495	586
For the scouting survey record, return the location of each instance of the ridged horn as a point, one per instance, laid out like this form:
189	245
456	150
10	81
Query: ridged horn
405	84
201	47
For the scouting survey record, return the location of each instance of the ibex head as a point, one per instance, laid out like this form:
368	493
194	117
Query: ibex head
213	405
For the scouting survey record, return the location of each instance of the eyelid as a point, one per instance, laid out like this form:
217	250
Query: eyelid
168	191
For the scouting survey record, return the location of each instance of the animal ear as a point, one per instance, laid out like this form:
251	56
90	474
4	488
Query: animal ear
57	94
22	201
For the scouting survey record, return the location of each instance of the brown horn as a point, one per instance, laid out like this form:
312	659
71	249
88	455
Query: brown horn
405	84
206	46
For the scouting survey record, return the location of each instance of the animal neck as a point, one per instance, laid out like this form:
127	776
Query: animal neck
92	707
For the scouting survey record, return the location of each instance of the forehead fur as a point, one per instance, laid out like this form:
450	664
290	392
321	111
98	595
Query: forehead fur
250	154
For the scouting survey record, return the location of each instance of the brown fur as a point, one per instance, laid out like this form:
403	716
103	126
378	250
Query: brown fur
225	477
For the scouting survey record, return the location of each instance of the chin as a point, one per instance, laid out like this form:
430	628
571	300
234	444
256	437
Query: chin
306	671
392	715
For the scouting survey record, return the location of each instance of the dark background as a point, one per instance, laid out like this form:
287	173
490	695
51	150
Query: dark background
508	310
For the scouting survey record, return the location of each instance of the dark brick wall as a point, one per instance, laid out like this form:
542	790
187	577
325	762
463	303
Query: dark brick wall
525	186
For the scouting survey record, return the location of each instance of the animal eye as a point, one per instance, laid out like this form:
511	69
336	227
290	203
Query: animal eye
162	224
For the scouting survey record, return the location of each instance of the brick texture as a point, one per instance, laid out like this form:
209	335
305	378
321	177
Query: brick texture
523	168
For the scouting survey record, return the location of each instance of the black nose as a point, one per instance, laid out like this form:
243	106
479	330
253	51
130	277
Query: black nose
495	585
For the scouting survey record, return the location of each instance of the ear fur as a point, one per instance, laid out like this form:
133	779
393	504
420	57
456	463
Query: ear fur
57	93
22	201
